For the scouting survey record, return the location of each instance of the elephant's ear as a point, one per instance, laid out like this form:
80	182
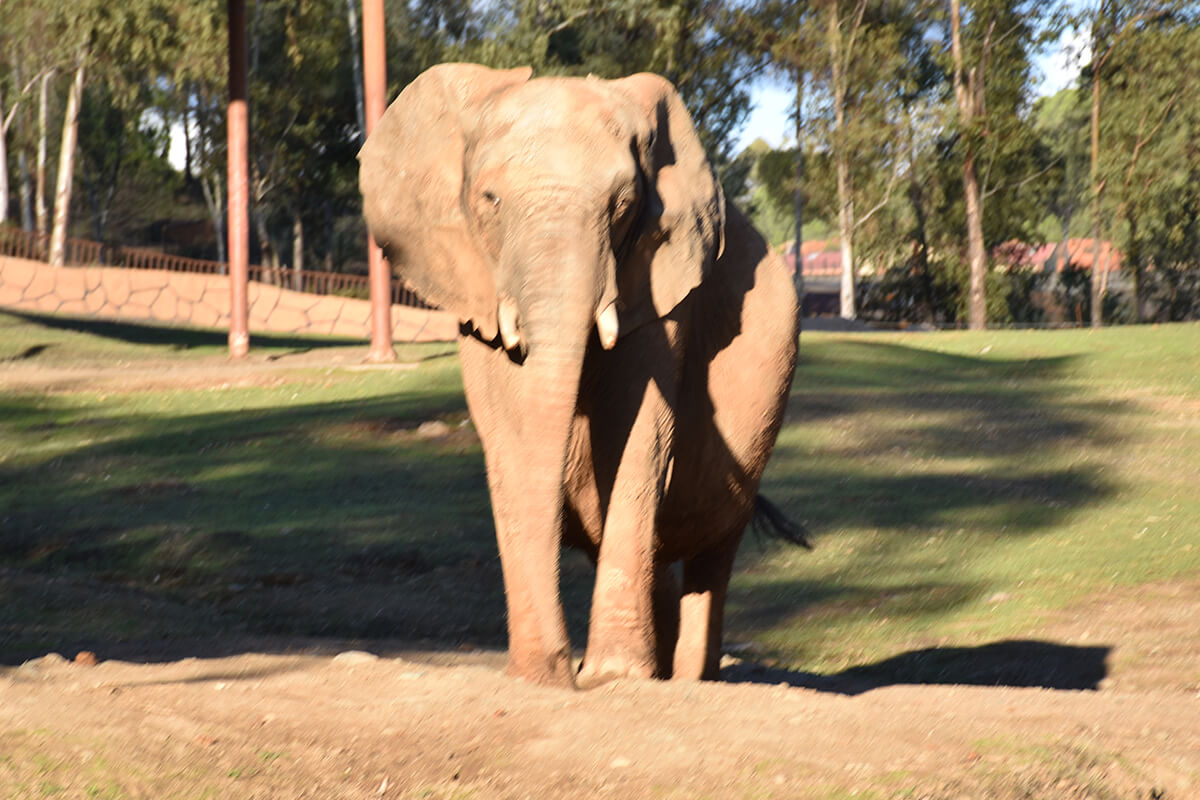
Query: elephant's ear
411	175
681	230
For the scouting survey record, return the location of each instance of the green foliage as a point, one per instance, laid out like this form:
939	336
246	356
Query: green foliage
1061	124
125	177
162	63
1150	163
704	47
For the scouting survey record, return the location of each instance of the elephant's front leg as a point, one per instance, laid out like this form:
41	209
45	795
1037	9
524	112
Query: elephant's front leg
524	441
622	634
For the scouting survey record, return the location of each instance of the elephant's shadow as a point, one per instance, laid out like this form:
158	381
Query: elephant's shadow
1010	663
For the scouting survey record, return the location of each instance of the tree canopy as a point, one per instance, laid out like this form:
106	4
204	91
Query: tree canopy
919	129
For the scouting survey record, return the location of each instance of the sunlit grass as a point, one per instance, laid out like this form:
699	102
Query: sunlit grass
963	486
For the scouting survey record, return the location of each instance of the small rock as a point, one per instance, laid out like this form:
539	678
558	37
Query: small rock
433	429
355	657
36	666
620	762
86	658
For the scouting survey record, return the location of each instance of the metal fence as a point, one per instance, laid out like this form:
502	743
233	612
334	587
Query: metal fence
36	247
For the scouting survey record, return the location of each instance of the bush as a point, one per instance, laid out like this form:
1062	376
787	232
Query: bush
909	293
1171	294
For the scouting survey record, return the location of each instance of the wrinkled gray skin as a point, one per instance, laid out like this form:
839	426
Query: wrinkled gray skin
627	345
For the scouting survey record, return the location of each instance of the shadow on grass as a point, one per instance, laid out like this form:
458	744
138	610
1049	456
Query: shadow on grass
1024	664
174	338
280	528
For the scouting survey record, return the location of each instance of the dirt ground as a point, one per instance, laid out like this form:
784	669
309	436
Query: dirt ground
327	722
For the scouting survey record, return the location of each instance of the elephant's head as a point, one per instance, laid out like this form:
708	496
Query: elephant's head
530	207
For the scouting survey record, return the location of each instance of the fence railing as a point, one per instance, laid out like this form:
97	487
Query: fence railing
79	252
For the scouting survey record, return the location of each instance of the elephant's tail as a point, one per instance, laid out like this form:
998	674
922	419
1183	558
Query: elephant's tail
769	519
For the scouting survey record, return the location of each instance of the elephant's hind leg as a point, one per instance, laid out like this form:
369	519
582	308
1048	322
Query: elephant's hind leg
666	618
702	611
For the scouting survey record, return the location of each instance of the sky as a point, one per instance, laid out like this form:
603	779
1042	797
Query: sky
771	118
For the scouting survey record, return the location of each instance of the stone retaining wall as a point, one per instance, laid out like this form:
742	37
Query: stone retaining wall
201	300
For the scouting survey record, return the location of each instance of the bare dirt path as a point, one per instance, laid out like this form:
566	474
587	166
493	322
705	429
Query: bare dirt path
448	725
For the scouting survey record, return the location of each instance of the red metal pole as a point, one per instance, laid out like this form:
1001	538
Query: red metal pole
239	217
375	97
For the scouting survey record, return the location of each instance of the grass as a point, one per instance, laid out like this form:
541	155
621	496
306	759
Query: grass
960	488
964	485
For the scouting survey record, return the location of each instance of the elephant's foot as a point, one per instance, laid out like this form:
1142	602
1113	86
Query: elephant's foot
610	669
553	670
603	669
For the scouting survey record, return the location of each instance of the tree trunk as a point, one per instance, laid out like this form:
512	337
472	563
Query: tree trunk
3	166
844	190
798	191
1097	318
26	191
1135	264
214	200
297	251
41	215
327	262
356	64
269	255
846	234
968	94
66	165
976	254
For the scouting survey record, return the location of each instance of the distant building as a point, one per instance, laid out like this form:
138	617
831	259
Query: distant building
819	261
1057	256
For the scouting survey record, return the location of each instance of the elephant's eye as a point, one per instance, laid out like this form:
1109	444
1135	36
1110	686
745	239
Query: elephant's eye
491	198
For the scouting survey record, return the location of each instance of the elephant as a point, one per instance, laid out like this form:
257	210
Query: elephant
627	343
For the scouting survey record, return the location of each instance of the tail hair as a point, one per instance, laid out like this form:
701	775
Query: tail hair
769	520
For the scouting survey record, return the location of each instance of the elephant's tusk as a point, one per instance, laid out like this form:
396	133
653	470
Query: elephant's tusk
510	323
608	326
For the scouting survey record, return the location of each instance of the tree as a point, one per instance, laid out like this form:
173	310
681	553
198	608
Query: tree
1061	122
1111	24
115	44
707	48
1144	159
27	59
869	76
990	41
790	34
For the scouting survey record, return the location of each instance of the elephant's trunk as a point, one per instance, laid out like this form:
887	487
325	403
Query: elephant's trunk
549	317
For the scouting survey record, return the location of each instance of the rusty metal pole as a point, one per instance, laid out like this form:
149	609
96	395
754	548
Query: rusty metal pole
375	95
238	155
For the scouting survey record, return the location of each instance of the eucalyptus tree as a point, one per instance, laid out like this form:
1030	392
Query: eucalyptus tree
30	52
991	43
877	65
1145	156
1114	27
24	70
115	44
792	32
705	47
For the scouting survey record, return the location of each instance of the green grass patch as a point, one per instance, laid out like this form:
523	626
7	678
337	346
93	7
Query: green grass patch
960	487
